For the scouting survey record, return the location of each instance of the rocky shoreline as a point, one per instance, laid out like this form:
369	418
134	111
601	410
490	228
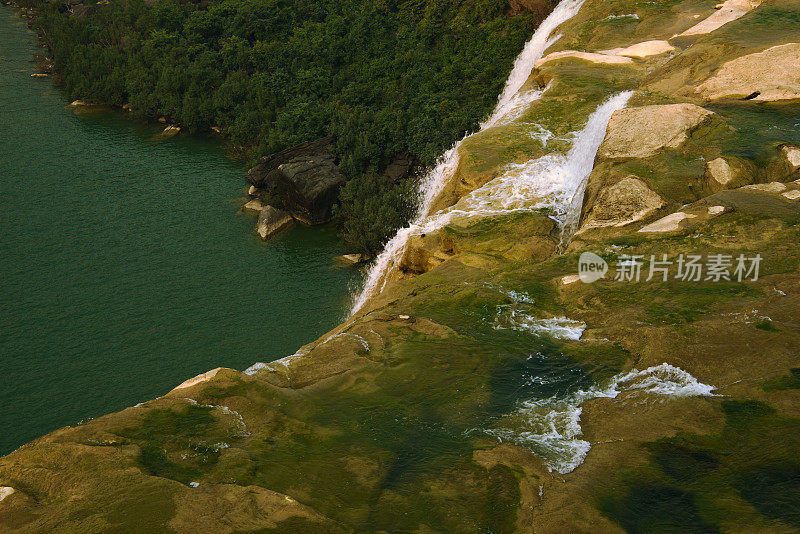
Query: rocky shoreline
681	392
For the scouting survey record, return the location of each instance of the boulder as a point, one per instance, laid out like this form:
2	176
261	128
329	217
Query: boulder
254	205
349	260
5	491
771	75
727	172
786	166
271	221
625	202
644	131
305	178
791	154
171	131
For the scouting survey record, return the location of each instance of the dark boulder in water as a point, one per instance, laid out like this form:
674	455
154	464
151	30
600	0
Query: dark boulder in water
305	178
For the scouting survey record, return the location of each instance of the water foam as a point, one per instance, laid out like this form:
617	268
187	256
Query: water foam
555	327
551	428
511	104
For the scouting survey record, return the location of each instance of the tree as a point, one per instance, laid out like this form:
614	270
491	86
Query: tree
370	211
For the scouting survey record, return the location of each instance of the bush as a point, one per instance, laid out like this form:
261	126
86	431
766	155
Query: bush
370	210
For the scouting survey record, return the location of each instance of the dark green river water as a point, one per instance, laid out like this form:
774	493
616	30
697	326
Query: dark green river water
124	265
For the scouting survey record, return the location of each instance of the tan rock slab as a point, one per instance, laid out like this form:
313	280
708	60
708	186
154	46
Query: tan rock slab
771	75
254	205
586	56
203	377
670	223
772	187
726	12
794	194
642	50
641	132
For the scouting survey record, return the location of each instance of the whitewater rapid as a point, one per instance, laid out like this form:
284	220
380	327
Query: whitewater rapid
512	102
550	427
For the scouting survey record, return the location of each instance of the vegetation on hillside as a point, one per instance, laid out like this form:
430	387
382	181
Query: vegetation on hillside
381	76
370	211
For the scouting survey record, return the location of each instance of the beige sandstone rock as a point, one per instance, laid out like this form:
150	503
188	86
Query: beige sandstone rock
791	154
727	12
252	191
586	56
794	194
203	377
271	221
171	131
641	50
771	75
641	132
5	491
716	210
727	173
772	187
670	223
625	202
254	205
349	259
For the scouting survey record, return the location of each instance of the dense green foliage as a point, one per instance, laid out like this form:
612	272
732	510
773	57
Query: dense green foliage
383	76
370	211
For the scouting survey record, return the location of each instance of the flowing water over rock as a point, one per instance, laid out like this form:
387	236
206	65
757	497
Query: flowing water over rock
511	104
550	426
125	265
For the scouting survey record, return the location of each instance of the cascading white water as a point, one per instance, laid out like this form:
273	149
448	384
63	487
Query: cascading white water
554	181
511	104
551	426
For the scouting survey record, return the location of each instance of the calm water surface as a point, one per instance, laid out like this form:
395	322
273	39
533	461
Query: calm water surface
124	265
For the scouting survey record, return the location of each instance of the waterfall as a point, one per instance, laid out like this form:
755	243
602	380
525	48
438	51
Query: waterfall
511	104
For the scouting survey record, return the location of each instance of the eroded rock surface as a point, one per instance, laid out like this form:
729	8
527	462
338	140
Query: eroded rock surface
771	75
271	221
625	202
305	178
640	132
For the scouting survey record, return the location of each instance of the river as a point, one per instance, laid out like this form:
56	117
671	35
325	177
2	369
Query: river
125	267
